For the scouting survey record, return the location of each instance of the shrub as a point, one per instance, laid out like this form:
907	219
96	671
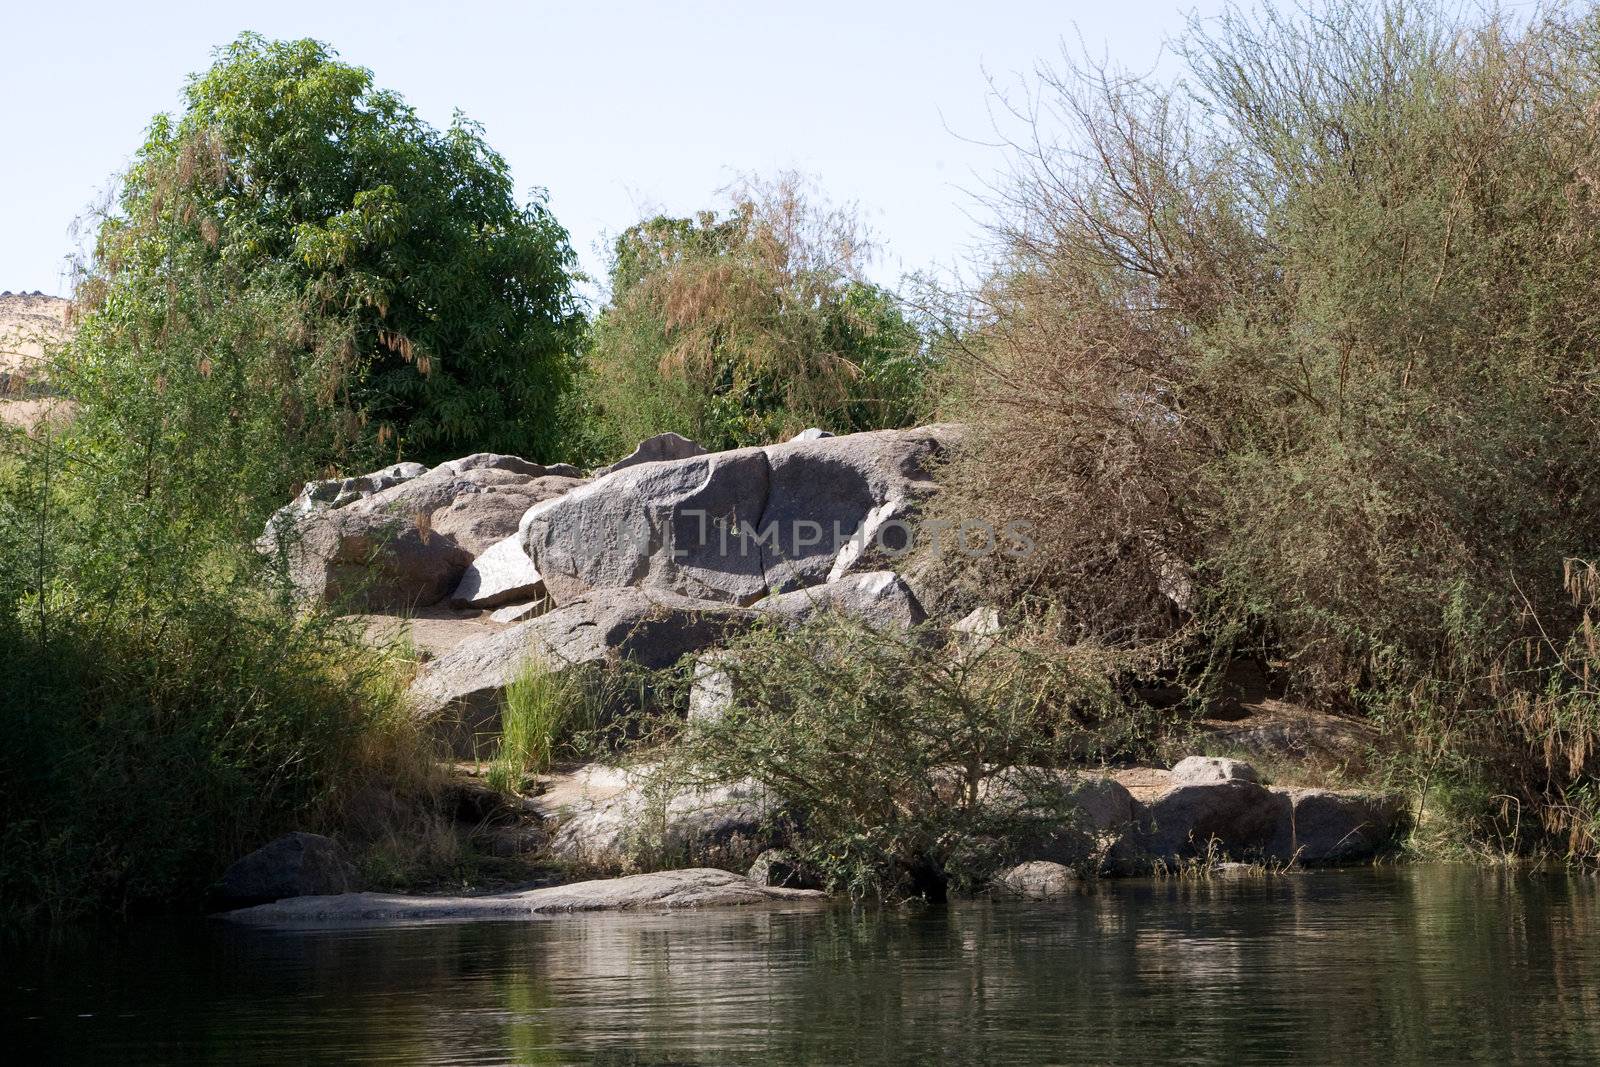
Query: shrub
882	746
1300	351
543	717
739	328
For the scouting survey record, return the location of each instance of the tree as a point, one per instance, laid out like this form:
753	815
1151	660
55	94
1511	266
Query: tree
737	327
415	307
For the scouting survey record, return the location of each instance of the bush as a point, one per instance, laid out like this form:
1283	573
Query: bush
1300	351
543	717
882	746
741	328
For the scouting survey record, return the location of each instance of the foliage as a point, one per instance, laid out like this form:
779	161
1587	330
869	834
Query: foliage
369	283
885	746
737	328
1302	349
543	716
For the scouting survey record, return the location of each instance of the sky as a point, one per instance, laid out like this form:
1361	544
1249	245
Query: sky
619	109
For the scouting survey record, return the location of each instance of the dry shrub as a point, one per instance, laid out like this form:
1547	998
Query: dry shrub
1302	350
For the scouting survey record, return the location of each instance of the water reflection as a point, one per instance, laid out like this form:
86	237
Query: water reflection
1411	965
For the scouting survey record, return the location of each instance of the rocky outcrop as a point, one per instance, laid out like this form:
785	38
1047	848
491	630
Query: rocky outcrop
735	526
1327	826
662	891
402	538
653	630
295	865
1210	770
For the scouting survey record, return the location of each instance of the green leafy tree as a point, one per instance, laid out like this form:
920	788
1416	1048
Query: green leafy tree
738	327
416	307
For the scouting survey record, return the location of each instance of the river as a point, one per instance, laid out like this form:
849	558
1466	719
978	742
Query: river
1425	964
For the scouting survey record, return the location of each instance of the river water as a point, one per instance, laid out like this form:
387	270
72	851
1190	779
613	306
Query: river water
1406	965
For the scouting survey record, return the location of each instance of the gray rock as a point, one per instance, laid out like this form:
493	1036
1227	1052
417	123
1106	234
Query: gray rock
402	540
780	867
1222	820
711	692
662	891
1326	826
878	598
734	526
658	449
815	433
294	865
1036	880
643	821
979	622
502	574
520	612
461	690
1058	815
1206	770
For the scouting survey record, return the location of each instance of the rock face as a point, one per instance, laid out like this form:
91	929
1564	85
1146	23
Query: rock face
651	630
661	448
734	526
401	538
663	891
295	865
1036	880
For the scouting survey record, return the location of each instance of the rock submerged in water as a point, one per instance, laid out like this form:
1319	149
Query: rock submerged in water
1036	880
295	865
662	891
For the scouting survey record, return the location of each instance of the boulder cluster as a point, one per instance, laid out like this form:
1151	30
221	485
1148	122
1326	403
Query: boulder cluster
667	552
670	552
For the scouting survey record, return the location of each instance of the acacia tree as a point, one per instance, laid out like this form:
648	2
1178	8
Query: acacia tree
736	327
371	283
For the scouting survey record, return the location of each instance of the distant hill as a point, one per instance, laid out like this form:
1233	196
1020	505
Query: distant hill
29	322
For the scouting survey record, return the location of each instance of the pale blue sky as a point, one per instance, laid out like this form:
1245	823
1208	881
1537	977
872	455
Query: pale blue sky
616	107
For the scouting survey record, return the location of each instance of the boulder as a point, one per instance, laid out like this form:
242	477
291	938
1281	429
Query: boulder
501	575
1328	826
521	611
735	526
1206	770
878	598
295	865
462	689
780	867
1036	880
612	819
662	891
1232	819
711	691
658	449
815	433
398	539
1059	816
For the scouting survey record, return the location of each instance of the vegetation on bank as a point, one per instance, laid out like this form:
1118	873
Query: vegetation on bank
1292	361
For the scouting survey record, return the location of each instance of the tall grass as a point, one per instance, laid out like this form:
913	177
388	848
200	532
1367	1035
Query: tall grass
543	717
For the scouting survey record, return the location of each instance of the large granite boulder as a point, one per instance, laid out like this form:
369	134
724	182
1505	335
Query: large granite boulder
462	689
295	865
661	891
400	539
502	574
735	526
